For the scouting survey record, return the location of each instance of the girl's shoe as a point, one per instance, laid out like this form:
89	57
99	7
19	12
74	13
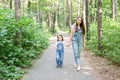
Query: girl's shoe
60	66
57	66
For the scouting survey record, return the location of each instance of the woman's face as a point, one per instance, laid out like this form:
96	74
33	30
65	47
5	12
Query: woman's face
78	20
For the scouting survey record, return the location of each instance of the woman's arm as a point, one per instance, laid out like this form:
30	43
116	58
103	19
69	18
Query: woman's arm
55	46
83	41
70	38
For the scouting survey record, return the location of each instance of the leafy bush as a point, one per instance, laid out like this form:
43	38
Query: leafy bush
34	40
110	41
10	73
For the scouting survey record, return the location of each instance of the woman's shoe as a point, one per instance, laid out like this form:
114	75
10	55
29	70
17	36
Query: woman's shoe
78	68
75	66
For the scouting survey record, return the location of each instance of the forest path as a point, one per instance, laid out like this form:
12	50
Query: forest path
45	67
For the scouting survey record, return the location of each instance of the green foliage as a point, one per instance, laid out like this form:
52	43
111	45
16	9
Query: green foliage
10	73
110	41
13	57
107	8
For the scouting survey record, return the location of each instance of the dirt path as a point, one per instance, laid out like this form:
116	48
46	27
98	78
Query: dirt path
45	67
103	68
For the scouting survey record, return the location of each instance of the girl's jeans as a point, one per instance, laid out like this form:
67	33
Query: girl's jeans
59	57
77	47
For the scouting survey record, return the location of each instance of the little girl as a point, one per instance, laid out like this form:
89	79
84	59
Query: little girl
59	51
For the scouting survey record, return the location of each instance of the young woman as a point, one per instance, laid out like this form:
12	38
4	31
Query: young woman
77	37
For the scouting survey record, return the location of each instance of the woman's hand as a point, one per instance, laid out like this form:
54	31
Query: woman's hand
55	47
83	45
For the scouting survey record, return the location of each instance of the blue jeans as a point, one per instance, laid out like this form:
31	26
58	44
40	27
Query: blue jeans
77	48
59	57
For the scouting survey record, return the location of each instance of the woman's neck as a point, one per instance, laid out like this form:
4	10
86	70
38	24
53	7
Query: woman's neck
78	25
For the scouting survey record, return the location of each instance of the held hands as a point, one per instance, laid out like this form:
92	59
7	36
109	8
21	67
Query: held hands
55	47
68	44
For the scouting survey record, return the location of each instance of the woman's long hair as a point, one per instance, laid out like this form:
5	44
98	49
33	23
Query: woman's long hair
81	25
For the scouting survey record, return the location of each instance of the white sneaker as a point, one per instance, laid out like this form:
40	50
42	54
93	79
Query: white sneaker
78	68
75	66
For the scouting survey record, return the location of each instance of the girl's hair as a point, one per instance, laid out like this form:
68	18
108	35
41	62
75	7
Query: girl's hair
58	37
81	25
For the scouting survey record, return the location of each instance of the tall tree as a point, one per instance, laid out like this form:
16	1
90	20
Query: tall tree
114	9
64	14
54	20
87	20
99	23
69	13
49	19
11	3
78	7
40	12
17	17
84	11
58	13
17	10
29	6
85	14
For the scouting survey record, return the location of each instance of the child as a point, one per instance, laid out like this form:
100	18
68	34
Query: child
59	51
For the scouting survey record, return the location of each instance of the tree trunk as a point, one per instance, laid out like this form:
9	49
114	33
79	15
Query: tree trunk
36	10
91	2
17	17
23	8
99	22
69	13
40	16
17	10
54	20
49	20
58	14
40	13
64	14
84	12
10	4
78	7
114	10
87	23
29	6
85	16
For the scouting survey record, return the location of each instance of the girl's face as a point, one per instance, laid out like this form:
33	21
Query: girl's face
78	20
60	38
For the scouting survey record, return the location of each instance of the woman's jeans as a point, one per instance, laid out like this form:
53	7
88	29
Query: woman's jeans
77	48
59	57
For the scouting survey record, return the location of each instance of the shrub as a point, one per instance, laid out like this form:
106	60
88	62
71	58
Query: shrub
110	41
14	58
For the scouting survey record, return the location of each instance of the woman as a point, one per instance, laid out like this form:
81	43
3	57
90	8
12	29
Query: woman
77	38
